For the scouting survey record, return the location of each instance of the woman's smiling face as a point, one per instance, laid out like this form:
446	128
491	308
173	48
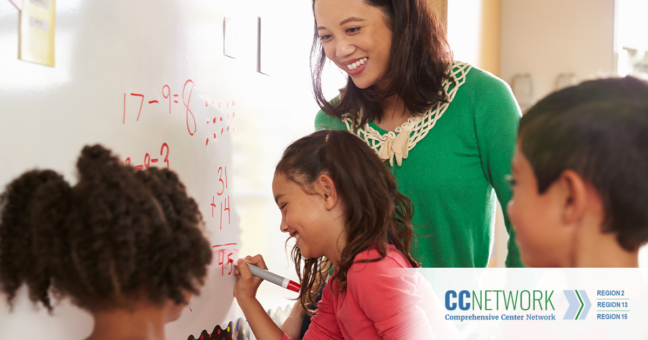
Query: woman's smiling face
355	36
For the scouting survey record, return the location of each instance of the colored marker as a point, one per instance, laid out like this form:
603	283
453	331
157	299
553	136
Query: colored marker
274	278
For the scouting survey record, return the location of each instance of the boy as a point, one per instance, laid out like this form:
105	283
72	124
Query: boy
580	176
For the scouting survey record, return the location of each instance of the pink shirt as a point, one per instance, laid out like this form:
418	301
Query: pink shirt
382	301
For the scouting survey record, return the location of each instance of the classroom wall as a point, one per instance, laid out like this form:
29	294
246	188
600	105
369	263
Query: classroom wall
106	51
633	26
491	36
474	32
545	38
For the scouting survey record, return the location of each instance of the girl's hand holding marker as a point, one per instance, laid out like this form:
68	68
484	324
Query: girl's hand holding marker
247	284
268	276
245	293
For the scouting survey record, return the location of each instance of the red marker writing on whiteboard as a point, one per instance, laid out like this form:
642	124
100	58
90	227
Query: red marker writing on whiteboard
274	278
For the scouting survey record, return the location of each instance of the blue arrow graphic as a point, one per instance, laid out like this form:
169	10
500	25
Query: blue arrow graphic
574	304
588	304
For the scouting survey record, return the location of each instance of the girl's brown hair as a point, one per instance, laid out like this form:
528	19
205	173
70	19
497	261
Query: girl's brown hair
375	212
418	63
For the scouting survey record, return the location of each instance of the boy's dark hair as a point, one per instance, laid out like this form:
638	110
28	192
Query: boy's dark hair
115	237
418	63
375	211
600	130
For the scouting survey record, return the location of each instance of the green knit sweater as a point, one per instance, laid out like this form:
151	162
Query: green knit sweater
450	174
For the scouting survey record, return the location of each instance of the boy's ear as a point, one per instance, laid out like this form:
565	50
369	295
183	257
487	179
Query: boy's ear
326	189
573	194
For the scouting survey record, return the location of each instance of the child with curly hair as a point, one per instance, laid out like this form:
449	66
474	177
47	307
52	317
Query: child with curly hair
126	246
339	201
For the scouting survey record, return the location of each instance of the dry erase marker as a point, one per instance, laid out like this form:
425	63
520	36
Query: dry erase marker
274	278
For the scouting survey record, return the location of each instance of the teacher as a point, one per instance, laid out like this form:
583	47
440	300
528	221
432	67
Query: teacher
446	129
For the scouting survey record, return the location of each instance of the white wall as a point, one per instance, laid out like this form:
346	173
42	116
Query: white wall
548	37
633	24
464	30
106	49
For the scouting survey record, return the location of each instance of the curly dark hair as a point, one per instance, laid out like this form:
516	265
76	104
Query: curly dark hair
116	237
375	212
418	64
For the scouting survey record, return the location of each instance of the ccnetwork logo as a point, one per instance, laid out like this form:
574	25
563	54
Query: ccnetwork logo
579	305
499	300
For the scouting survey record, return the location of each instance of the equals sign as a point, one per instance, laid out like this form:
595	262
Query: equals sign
175	101
154	160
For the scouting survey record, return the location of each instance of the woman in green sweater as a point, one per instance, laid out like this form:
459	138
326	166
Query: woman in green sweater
446	130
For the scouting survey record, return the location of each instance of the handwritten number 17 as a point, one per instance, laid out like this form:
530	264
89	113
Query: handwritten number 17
140	109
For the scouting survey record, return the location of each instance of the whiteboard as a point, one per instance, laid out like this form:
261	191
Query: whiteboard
149	79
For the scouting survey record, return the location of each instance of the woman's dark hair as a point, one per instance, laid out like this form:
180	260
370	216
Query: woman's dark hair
374	210
418	63
598	129
116	237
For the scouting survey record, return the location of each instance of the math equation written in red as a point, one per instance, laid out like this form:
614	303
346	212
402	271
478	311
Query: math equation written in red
181	101
224	253
162	160
222	199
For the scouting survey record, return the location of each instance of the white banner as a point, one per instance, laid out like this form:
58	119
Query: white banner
543	303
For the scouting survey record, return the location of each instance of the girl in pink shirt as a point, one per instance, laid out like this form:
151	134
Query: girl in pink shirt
341	204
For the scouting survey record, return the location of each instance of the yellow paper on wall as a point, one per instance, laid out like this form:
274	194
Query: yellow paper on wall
37	31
